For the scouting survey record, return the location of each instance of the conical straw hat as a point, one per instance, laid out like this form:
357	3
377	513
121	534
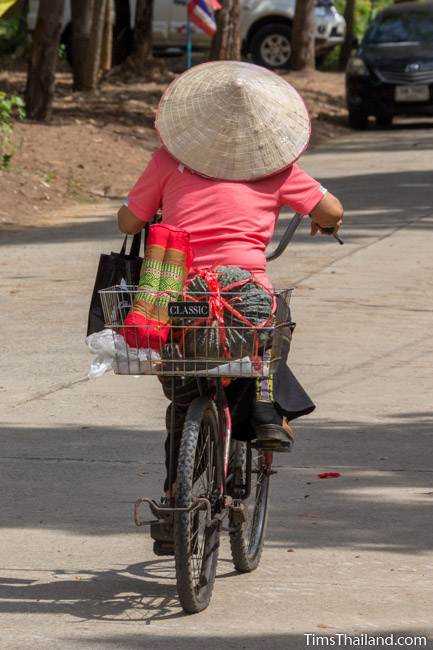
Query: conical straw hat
233	121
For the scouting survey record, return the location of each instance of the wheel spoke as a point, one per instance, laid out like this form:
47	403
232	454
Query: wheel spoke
203	540
203	485
202	450
256	513
196	545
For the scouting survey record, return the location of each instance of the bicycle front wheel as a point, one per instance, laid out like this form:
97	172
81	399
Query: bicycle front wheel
199	475
250	473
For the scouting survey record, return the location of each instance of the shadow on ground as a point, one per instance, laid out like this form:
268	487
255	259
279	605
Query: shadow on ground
370	211
146	591
381	139
382	500
143	593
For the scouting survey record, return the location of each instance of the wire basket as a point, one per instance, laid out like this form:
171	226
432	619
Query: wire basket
201	337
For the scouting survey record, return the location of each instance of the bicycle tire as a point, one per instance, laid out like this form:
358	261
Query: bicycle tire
195	577
247	536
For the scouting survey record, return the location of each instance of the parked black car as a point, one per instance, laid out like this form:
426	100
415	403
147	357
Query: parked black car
392	71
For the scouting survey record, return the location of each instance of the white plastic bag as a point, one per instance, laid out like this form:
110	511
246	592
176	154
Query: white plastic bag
239	368
109	347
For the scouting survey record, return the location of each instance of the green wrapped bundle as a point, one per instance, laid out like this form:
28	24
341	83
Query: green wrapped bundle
240	320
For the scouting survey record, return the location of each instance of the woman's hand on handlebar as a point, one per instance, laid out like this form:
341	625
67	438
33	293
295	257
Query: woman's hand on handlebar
327	230
327	215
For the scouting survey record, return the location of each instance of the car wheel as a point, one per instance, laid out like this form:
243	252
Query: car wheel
384	121
271	47
358	119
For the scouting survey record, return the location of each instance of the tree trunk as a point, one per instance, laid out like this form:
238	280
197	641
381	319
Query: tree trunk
226	44
93	62
143	48
141	61
303	36
107	39
346	48
43	59
82	15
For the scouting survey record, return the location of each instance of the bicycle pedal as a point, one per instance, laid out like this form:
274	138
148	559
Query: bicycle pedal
163	548
162	531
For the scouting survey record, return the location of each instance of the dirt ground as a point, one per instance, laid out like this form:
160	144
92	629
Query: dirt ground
96	146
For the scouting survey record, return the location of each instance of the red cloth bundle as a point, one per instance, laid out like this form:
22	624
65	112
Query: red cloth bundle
165	268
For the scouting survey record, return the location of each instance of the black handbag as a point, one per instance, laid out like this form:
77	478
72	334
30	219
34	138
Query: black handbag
114	269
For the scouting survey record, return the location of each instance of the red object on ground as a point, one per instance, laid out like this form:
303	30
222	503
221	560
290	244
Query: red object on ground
329	475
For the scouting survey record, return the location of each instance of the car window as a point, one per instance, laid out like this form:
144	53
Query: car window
399	28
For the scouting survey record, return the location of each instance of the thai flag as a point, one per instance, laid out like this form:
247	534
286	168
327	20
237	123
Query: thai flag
202	14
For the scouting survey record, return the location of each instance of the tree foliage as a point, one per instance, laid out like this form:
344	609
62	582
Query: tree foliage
11	108
365	10
13	34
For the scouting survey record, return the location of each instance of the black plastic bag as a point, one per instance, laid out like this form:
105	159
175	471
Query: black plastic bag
114	269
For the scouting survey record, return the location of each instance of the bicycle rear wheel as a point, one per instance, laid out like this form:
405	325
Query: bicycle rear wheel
199	475
250	487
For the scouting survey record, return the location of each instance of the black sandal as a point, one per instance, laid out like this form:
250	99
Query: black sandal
273	437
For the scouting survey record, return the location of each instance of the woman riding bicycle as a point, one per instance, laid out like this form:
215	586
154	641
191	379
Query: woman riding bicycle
231	133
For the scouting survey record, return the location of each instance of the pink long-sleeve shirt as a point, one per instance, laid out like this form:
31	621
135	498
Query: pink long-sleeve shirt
230	222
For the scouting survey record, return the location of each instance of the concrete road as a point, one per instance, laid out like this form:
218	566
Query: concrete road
347	555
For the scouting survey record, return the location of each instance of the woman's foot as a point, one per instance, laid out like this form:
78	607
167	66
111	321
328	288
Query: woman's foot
162	531
274	437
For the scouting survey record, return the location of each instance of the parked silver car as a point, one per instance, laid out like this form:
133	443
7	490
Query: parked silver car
265	28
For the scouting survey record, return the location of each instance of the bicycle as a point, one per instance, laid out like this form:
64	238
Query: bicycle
216	477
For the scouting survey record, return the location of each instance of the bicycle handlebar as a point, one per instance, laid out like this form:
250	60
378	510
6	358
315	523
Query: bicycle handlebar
286	238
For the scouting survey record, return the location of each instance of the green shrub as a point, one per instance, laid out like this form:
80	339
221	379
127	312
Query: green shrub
331	62
365	11
13	33
11	108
